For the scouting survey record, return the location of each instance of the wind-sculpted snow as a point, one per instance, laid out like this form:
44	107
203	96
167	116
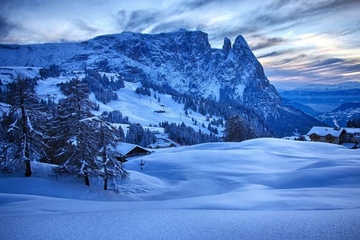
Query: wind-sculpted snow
251	167
256	189
185	224
263	173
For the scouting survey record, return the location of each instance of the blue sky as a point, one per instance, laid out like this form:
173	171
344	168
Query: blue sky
297	41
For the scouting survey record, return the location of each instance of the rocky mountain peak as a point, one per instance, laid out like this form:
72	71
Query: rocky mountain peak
183	60
227	46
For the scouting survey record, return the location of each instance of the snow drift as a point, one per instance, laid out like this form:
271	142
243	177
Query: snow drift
256	189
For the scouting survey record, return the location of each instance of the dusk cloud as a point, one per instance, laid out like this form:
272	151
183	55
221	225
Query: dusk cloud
5	27
268	42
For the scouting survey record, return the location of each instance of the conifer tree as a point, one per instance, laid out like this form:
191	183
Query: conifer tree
108	137
24	135
77	142
237	130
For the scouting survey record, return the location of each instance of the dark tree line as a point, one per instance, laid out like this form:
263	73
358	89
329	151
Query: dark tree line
186	135
136	134
143	91
242	122
211	107
115	117
102	86
51	71
353	123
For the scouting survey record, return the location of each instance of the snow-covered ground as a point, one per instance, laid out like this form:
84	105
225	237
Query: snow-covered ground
256	189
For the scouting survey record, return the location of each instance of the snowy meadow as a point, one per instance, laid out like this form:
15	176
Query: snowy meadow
256	189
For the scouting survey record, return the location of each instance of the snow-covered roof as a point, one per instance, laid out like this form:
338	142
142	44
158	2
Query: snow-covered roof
324	131
352	130
125	148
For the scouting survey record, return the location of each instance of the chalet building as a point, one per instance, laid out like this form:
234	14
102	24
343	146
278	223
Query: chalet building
352	135
126	150
348	136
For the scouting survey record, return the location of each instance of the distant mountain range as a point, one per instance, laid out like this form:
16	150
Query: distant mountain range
182	62
322	100
330	87
345	112
340	102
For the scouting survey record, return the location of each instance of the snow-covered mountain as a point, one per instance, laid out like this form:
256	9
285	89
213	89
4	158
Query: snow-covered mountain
182	60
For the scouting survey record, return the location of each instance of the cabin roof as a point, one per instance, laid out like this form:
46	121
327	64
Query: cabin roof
125	148
324	131
352	130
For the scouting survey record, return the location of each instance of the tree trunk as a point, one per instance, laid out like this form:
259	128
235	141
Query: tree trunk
105	183
28	171
86	179
26	143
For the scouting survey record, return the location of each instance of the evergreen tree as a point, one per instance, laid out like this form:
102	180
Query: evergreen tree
353	123
135	134
52	71
148	138
111	168
121	134
24	133
76	139
237	130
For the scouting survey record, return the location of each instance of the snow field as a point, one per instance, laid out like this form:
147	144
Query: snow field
256	189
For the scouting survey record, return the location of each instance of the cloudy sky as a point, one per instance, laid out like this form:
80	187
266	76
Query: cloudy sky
297	41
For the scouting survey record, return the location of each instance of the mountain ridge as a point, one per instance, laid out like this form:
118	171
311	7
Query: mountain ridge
330	87
183	60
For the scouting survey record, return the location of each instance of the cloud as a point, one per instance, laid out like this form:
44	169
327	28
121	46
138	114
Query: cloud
283	15
293	60
121	18
305	8
268	42
139	20
83	26
274	54
5	27
306	69
173	25
190	5
335	66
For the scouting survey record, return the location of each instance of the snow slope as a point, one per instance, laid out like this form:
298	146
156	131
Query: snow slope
256	189
138	108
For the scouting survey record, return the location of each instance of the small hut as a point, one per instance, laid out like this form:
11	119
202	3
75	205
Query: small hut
126	150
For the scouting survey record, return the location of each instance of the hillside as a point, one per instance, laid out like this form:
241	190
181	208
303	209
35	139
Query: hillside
342	114
143	109
263	188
